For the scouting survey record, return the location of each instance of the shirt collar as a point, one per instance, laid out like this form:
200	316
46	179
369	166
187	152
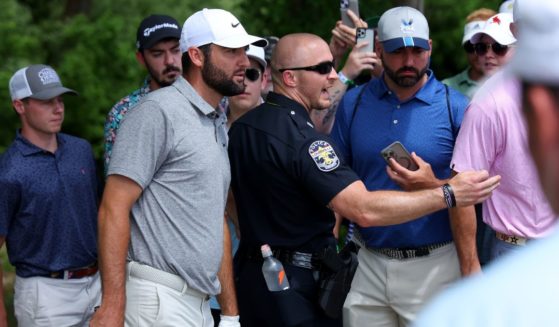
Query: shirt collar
424	94
297	110
465	78
285	102
145	88
27	148
194	98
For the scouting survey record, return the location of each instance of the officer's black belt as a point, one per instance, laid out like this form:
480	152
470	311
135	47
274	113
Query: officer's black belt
295	258
408	253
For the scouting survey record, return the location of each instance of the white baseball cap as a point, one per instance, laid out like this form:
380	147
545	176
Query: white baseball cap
403	27
472	28
537	53
498	27
257	53
216	26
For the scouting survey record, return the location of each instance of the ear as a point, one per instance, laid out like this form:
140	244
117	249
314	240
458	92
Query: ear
378	47
140	58
196	56
289	78
19	106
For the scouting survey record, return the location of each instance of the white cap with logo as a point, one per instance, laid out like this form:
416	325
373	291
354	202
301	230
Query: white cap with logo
403	27
216	26
498	27
472	28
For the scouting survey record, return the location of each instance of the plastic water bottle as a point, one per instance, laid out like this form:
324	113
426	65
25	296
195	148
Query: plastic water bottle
275	277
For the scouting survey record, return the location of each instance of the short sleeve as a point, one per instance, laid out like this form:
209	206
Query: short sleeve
143	142
321	170
478	142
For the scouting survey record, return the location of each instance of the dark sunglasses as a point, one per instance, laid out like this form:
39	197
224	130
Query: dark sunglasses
252	74
482	48
323	68
469	47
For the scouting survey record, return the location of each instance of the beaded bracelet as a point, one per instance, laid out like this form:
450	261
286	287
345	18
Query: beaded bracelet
449	196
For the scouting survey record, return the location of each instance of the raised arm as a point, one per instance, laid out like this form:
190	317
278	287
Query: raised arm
380	208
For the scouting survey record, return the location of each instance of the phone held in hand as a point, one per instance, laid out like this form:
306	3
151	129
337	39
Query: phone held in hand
353	5
397	151
365	35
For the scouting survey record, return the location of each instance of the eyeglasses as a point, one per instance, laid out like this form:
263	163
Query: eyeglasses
252	74
482	48
469	47
323	68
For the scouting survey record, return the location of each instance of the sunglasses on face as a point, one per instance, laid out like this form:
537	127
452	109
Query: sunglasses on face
323	68
252	74
469	47
482	48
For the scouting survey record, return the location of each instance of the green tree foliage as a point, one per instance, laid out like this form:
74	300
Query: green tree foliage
91	46
91	43
446	21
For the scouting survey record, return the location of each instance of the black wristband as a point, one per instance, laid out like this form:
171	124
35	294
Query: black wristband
449	197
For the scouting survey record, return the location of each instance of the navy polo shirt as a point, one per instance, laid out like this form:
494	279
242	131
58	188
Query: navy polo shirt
423	124
48	206
284	174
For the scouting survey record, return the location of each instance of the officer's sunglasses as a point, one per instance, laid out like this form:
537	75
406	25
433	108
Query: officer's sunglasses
482	48
252	74
323	68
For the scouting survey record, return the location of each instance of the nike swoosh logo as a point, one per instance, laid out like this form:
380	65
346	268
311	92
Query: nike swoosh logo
235	25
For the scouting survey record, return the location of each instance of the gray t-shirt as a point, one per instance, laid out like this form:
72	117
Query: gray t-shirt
174	145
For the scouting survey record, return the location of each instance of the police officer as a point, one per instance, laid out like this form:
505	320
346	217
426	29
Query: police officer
287	181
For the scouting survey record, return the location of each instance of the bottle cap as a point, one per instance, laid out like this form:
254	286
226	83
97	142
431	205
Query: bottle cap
266	251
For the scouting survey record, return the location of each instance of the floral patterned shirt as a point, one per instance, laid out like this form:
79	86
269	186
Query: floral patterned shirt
116	115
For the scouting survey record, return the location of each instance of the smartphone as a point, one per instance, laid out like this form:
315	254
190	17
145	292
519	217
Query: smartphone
344	6
397	151
366	35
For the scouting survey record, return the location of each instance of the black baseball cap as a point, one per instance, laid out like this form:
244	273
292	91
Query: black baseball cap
155	28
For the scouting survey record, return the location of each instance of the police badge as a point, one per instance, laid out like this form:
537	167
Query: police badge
324	155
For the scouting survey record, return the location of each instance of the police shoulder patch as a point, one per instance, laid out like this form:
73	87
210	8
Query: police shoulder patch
324	155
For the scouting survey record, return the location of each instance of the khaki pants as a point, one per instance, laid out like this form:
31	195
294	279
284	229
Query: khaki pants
390	292
43	301
149	303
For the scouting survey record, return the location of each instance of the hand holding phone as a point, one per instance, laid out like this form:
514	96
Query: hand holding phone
398	152
365	35
352	5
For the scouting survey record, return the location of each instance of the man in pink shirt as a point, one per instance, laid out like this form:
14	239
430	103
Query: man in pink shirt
493	137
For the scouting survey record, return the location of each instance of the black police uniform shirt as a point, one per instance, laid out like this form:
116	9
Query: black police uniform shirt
284	174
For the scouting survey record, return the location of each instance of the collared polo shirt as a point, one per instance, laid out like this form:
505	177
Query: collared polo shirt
494	137
174	146
423	125
48	206
116	116
463	83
